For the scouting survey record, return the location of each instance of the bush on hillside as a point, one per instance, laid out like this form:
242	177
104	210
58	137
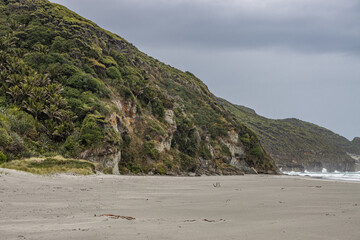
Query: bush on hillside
3	158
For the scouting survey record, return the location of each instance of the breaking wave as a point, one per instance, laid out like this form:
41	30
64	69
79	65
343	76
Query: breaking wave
324	174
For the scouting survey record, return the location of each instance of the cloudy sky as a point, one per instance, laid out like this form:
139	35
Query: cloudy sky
283	58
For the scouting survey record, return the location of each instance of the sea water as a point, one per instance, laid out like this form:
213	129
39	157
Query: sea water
324	174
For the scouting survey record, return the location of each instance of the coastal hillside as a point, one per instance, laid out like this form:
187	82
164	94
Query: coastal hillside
299	145
70	88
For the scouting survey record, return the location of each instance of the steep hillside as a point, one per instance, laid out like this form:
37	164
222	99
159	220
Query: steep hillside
69	87
298	145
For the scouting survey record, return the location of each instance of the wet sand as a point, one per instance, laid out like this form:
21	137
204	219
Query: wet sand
241	207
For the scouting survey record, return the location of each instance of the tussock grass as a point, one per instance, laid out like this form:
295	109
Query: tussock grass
53	165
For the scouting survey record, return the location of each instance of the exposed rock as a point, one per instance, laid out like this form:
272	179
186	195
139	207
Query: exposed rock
234	136
118	104
117	159
164	143
242	165
169	117
206	164
130	109
159	146
107	158
167	142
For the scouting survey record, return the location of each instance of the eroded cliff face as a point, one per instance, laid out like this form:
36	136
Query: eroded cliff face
228	157
237	152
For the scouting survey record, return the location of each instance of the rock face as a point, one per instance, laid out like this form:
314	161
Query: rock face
298	145
237	152
107	159
124	109
357	161
169	117
117	160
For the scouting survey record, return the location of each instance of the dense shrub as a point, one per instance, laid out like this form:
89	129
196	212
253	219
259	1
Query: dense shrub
257	152
70	92
187	163
37	33
71	147
119	58
245	139
125	92
4	138
86	68
86	82
108	61
79	108
113	73
133	168
17	143
35	59
22	122
68	70
92	104
91	133
158	109
60	44
185	137
3	158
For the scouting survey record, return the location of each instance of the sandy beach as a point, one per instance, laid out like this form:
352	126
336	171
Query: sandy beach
154	207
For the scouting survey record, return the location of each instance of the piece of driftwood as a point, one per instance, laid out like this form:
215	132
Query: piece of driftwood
206	220
113	216
211	220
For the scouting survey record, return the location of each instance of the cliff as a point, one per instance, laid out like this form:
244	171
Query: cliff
69	87
298	145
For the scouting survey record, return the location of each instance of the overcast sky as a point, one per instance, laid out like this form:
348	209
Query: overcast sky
283	58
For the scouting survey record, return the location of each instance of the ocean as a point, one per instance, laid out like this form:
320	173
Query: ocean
324	174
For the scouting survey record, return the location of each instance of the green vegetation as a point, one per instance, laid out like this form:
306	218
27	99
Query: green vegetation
50	166
184	138
150	151
187	163
294	143
108	170
160	169
70	88
3	158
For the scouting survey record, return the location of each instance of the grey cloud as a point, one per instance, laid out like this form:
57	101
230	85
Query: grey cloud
312	26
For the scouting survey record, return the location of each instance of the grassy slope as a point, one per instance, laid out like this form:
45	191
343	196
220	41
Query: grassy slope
294	143
82	76
48	166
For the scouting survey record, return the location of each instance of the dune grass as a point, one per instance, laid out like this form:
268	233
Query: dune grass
53	165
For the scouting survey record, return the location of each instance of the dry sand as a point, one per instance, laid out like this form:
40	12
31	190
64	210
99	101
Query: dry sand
243	207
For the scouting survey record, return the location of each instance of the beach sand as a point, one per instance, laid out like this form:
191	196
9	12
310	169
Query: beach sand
241	207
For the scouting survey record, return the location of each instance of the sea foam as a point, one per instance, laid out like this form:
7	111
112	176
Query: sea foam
336	175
